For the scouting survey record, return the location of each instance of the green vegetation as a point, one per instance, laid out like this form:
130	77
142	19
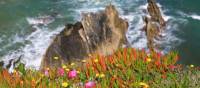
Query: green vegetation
127	68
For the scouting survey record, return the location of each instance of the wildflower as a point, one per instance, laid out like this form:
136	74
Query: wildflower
172	67
157	63
56	58
89	55
117	65
102	75
47	69
72	74
78	72
61	71
83	61
90	84
191	65
147	59
65	84
64	66
144	85
96	60
159	55
14	71
115	76
67	69
164	76
46	72
72	64
97	75
42	75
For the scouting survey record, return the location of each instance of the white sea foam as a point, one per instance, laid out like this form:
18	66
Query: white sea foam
33	52
1	40
197	17
193	15
45	20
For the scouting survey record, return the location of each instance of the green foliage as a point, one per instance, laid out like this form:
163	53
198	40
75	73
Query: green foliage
127	68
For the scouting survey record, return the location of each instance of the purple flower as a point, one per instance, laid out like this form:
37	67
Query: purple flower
90	84
72	74
61	71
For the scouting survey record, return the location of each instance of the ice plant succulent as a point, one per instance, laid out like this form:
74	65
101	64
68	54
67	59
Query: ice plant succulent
61	71
90	84
72	74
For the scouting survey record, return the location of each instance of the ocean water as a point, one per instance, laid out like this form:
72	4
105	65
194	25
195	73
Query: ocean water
27	27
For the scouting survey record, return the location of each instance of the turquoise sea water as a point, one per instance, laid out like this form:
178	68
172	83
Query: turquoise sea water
23	30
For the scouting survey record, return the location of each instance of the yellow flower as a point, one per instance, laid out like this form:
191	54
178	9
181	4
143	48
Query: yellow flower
102	75
148	59
72	64
78	72
97	75
64	66
67	69
89	55
42	75
47	69
65	84
144	85
115	76
96	60
191	65
56	58
83	61
14	71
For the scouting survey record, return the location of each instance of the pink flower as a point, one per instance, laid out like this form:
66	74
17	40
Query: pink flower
90	84
61	71
46	72
72	74
159	54
172	67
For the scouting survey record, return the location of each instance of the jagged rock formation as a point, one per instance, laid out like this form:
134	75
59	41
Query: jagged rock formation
154	25
155	13
102	32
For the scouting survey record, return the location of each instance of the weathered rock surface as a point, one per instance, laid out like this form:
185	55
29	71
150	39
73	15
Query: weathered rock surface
154	25
102	32
154	12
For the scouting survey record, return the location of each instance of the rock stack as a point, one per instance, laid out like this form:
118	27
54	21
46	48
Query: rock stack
102	32
154	24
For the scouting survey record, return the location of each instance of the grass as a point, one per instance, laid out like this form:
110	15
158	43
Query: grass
127	68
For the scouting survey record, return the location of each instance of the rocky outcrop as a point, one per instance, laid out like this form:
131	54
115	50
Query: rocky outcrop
154	12
102	32
154	24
